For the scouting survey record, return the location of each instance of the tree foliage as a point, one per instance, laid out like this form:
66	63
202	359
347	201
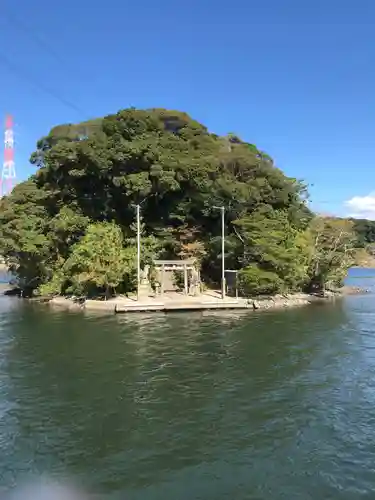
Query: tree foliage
70	227
272	242
332	252
365	231
99	261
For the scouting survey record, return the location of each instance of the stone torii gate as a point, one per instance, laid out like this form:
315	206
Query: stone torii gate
187	266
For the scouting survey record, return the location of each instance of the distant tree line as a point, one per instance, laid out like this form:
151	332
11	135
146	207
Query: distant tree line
365	232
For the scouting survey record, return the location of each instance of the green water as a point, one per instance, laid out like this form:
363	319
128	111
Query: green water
275	405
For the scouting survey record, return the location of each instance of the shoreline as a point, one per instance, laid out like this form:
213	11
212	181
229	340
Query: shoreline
179	303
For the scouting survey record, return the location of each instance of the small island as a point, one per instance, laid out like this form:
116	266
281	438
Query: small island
70	230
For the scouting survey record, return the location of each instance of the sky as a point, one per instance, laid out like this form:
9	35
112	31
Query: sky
294	77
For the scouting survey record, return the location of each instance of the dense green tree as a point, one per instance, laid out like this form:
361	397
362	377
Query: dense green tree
24	229
91	175
279	251
365	231
332	252
253	280
98	263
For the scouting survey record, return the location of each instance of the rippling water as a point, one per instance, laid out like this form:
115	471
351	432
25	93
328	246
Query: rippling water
268	405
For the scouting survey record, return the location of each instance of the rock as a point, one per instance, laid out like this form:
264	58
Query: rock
15	292
350	290
64	302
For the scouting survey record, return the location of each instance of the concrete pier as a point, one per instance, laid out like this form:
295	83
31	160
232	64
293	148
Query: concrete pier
197	305
208	301
169	302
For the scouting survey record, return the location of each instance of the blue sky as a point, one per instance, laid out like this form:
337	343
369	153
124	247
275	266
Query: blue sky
295	77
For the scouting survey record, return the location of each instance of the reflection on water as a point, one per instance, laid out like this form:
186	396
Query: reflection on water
191	406
5	277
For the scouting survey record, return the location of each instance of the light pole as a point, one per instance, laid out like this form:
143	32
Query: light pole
138	249
222	209
138	212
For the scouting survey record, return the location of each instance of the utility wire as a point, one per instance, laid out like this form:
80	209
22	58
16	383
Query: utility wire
32	34
23	75
46	47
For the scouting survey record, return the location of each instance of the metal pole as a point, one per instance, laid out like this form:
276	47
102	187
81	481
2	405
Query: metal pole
138	250
222	250
222	253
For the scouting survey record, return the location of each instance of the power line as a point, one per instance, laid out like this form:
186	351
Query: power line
32	34
23	75
45	46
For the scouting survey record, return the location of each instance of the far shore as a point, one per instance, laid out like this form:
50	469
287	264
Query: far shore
178	301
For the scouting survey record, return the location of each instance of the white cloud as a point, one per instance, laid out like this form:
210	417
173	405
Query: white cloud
362	206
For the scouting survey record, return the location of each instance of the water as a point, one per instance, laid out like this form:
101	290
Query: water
268	405
5	277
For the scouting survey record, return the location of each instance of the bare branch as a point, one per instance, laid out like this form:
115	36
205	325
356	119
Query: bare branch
238	234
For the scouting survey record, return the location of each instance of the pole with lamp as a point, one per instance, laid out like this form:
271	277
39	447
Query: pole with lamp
138	209
138	214
222	209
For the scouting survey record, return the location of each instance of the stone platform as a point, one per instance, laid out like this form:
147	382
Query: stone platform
173	301
169	302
